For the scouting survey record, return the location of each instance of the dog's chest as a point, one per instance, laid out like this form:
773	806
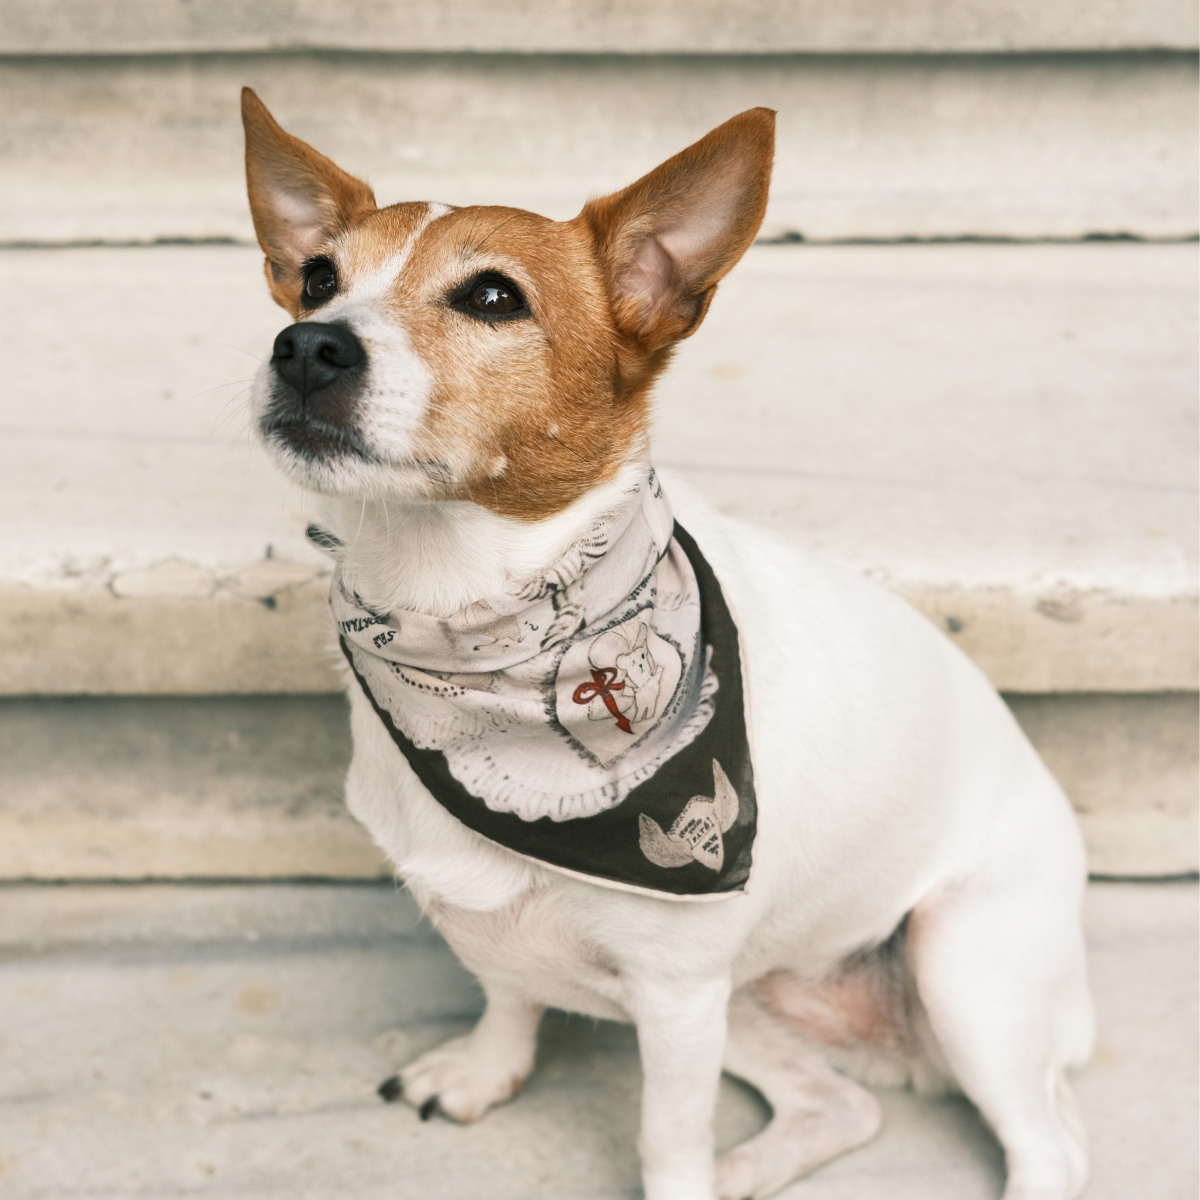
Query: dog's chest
539	949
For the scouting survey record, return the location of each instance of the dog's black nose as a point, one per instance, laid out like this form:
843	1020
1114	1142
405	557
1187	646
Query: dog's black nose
310	356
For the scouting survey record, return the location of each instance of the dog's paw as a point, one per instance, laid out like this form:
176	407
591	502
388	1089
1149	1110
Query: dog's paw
460	1079
736	1176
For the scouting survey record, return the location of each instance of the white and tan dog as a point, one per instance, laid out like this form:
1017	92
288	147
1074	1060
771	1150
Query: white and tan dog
468	389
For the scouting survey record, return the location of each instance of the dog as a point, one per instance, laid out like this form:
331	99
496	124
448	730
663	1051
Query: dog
876	880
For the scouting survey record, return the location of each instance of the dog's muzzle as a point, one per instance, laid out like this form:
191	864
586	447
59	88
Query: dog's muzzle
318	370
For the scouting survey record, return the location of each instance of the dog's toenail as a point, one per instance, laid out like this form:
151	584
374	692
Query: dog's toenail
391	1089
428	1108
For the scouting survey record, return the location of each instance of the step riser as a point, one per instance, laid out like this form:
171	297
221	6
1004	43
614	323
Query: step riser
142	148
251	787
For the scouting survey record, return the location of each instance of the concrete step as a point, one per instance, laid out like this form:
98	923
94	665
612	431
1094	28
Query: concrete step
246	787
250	787
228	1040
136	147
1003	434
583	27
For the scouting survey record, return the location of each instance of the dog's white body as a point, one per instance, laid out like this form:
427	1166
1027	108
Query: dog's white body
892	780
913	910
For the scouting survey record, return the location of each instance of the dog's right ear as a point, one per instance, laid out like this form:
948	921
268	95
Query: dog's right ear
298	199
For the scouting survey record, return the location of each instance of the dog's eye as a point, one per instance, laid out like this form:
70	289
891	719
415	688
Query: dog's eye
495	297
490	296
320	283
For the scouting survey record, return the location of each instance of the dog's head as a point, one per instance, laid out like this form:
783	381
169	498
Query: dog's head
484	354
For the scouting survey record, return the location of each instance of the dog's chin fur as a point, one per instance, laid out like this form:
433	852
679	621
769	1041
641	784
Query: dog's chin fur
357	467
350	475
437	556
913	907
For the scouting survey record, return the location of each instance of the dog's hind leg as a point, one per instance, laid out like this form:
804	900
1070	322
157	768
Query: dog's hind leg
817	1112
999	964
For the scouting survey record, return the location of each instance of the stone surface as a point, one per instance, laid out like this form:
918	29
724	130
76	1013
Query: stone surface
1033	146
1003	434
226	1042
622	26
175	787
98	641
1131	766
251	786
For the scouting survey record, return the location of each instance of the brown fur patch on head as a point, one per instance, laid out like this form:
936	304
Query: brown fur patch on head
525	415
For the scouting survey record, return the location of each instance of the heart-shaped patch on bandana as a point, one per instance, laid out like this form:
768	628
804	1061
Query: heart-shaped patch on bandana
629	678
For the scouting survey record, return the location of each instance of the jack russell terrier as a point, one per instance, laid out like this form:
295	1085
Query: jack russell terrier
635	759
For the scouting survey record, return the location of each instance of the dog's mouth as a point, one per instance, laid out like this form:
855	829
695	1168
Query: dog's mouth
314	438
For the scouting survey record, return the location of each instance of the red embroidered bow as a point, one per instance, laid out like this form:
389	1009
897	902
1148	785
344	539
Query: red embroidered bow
603	686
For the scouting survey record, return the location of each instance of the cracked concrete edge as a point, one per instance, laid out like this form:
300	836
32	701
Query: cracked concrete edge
177	629
100	642
1069	641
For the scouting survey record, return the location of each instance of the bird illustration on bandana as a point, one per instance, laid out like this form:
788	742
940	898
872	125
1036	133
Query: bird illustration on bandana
696	834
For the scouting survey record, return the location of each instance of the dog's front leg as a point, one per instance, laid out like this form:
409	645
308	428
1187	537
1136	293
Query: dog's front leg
465	1076
681	1036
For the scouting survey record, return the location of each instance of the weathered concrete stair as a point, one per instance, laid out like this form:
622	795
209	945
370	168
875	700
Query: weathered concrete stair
1003	434
1028	118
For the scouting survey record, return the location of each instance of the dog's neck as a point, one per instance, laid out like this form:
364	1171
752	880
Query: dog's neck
437	558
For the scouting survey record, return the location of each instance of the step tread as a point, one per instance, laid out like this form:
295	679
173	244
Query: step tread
581	26
1008	430
216	1058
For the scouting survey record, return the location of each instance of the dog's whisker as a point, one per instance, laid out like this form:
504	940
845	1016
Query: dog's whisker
217	387
361	517
240	350
555	438
494	230
233	409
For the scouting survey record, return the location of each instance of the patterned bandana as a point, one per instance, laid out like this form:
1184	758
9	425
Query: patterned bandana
591	719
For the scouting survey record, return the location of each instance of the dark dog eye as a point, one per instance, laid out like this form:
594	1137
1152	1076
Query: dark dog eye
491	297
320	282
495	297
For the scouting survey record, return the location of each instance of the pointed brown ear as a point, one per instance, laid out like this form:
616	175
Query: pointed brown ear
668	239
298	198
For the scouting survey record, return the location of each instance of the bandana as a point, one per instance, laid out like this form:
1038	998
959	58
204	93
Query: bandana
591	719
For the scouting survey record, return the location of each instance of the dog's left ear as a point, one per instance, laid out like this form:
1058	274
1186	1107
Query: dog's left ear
665	241
298	198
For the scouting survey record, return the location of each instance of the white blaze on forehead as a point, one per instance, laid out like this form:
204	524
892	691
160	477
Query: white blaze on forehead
395	393
375	282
